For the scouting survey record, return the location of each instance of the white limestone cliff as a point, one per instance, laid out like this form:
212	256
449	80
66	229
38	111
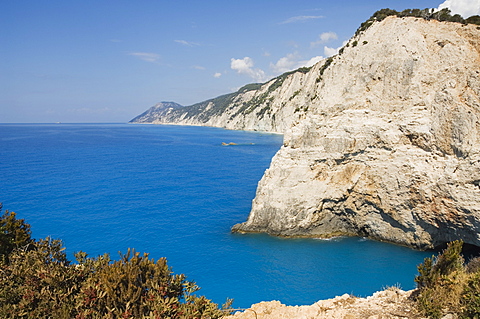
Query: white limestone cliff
390	146
382	140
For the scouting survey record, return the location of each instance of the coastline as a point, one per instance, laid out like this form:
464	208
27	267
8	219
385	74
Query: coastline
212	126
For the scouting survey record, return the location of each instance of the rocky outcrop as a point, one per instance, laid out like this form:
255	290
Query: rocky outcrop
391	303
390	146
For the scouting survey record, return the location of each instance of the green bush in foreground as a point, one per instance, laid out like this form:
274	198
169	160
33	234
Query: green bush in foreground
38	281
14	233
446	285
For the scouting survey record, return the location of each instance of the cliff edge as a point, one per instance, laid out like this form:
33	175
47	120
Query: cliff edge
390	146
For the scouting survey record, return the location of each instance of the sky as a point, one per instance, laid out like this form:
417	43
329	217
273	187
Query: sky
85	61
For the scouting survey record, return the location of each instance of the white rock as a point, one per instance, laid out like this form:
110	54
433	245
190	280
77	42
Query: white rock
388	304
390	149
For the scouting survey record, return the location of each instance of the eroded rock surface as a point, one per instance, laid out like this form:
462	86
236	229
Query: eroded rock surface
388	304
390	146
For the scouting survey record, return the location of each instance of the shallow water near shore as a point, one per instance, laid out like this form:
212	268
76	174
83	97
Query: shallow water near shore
175	192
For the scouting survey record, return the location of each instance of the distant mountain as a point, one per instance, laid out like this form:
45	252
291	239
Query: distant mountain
159	110
270	106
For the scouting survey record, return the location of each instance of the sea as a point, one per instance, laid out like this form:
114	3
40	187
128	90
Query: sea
175	192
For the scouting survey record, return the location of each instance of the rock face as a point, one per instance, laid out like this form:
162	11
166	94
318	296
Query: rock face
390	146
381	140
388	304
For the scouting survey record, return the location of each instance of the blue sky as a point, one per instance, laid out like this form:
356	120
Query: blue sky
108	61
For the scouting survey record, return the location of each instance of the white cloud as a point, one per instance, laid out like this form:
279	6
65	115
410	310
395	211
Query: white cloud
324	38
327	36
313	61
332	51
245	66
300	19
217	75
146	56
187	43
465	8
199	67
292	62
285	64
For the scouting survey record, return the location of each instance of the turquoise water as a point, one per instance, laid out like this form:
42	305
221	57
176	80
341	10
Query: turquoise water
175	191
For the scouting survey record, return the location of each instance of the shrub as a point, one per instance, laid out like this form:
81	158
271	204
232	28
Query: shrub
294	95
450	260
250	87
325	66
446	285
137	286
40	282
473	20
438	281
383	13
471	297
441	15
14	233
473	266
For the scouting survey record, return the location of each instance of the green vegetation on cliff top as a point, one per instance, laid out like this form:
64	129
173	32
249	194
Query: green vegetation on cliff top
427	14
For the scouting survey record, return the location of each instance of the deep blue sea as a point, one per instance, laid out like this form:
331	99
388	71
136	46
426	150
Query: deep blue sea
175	192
